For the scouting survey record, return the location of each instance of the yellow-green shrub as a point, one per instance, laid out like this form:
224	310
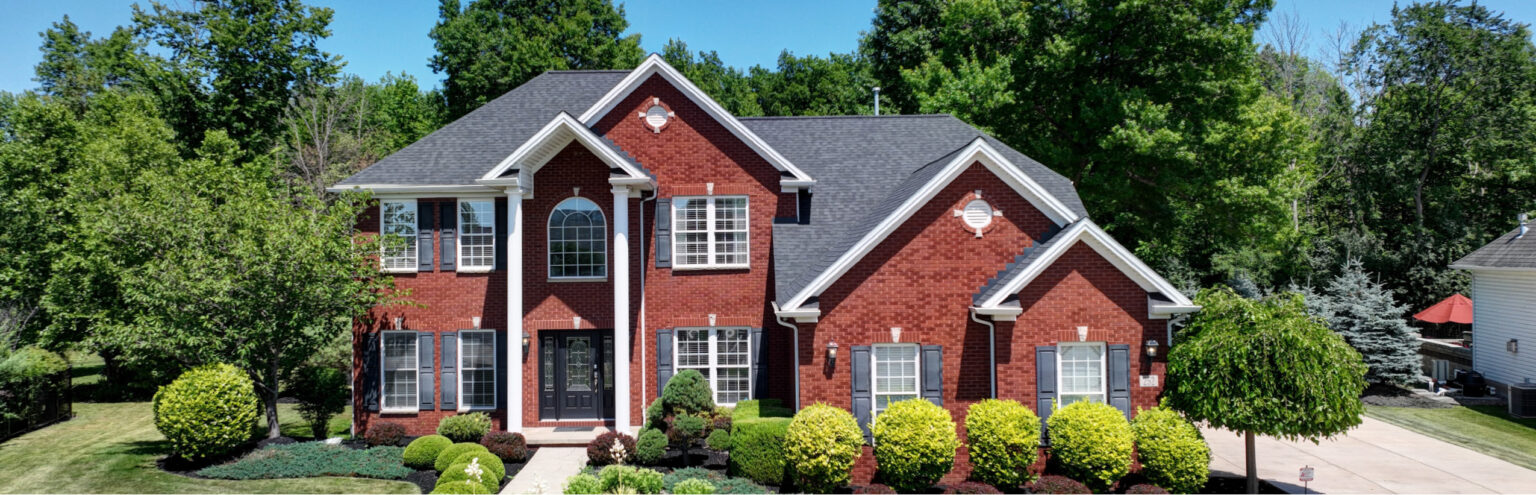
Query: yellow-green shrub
915	444
422	452
1172	452
452	452
461	487
820	445
456	472
1004	441
206	412
1092	442
488	461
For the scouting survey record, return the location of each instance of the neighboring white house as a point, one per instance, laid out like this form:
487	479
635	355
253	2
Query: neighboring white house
1504	306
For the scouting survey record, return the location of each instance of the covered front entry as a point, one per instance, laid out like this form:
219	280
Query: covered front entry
575	374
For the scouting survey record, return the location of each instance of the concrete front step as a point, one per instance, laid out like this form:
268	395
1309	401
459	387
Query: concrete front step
565	436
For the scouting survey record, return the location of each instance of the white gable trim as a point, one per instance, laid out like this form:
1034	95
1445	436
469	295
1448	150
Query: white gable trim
555	136
977	151
1087	232
655	65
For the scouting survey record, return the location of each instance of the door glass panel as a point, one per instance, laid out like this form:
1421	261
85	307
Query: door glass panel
549	364
578	364
607	363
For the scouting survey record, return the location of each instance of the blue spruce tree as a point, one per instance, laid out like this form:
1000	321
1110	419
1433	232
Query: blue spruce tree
1364	313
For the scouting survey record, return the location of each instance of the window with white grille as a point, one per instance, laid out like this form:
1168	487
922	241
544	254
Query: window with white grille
578	246
477	369
398	232
477	234
895	374
710	232
399	371
1081	371
722	355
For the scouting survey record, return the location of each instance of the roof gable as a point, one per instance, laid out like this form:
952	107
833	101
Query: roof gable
529	157
1511	251
1013	279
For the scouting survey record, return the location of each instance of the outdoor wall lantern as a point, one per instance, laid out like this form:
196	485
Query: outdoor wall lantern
399	323
831	351
1152	348
526	340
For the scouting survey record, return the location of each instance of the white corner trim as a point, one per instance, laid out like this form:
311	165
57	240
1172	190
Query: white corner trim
1087	232
977	151
562	127
655	65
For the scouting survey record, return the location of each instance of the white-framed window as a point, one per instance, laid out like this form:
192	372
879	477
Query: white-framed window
578	240
1080	369
895	371
722	355
477	369
710	232
399	371
477	234
397	228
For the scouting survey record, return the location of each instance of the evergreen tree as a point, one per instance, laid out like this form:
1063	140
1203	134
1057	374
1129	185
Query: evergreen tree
1365	314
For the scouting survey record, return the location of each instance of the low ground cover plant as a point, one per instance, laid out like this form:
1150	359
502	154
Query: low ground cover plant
820	446
509	446
739	486
422	452
452	453
1092	442
694	486
616	479
206	412
1004	439
465	427
915	444
310	459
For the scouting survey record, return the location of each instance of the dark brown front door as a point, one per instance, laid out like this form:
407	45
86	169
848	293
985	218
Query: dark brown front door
574	371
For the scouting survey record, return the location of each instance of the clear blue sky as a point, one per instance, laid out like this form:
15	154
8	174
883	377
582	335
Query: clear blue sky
381	36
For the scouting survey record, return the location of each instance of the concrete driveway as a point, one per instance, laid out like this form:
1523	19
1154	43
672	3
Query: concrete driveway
1376	457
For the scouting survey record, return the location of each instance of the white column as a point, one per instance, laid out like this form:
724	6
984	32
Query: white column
621	309
514	309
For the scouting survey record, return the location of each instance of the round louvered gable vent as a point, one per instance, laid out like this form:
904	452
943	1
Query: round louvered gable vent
656	116
978	214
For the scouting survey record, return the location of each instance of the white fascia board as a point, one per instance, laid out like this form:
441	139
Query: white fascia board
977	151
1002	313
414	190
563	127
655	65
1161	310
1087	232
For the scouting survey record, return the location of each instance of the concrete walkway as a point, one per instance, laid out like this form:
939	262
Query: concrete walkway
547	471
1376	457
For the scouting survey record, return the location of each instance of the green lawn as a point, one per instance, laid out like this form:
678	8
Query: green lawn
1485	429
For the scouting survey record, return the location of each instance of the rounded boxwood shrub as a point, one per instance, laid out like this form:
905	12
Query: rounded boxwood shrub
461	487
422	452
446	457
757	449
509	446
384	433
1004	441
488	462
915	444
206	412
688	393
611	447
458	472
694	486
651	446
583	484
1051	483
820	445
1092	442
1172	452
464	427
719	440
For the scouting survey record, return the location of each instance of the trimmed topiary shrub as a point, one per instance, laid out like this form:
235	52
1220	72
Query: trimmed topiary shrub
461	487
651	446
452	452
206	412
687	392
972	487
719	440
656	414
509	446
1004	441
465	427
629	479
876	489
611	447
422	452
694	486
741	486
1092	442
915	444
1146	489
488	461
1172	452
821	444
460	472
757	449
1051	483
384	433
583	484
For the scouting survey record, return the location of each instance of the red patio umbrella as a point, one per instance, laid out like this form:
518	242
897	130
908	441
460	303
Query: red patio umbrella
1456	308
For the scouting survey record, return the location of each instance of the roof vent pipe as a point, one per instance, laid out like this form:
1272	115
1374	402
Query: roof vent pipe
877	100
1524	219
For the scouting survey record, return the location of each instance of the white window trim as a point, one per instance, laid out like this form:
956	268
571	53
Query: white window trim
549	269
1103	368
495	372
384	370
677	258
416	251
459	237
874	375
714	360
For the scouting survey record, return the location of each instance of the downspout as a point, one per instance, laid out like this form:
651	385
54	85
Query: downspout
796	329
991	350
644	396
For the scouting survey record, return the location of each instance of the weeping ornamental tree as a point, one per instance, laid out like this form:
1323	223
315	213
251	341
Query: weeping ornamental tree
1365	314
1264	367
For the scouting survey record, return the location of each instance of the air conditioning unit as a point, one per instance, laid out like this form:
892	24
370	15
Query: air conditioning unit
1522	399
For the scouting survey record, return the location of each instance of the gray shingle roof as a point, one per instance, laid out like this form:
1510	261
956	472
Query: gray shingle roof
467	148
1019	264
864	167
1508	251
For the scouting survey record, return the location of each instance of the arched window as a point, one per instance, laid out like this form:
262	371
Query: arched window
578	245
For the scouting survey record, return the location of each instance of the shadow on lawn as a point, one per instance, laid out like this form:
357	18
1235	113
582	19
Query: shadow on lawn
1501	413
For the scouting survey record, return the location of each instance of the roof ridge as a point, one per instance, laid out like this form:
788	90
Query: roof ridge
832	117
587	71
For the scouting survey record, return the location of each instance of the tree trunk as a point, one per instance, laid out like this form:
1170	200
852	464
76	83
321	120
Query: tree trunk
274	428
1253	464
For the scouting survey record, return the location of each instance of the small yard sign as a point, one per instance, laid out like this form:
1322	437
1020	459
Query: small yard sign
1149	380
1306	474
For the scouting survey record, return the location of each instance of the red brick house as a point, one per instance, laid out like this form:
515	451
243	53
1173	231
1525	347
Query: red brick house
573	243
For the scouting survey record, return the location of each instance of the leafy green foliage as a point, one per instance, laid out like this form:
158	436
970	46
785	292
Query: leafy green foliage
656	414
696	486
468	427
488	461
452	452
719	440
757	449
309	459
28	377
1003	437
583	484
1092	442
422	452
687	392
915	444
629	479
651	446
1171	450
459	472
384	433
820	446
761	408
461	487
322	393
509	446
1370	320
206	412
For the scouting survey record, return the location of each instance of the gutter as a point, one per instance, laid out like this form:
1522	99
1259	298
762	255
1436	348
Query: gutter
991	351
796	330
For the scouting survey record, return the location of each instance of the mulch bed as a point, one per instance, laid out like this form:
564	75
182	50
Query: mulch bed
1394	396
1237	485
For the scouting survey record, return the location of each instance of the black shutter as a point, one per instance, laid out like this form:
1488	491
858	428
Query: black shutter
501	235
501	370
1120	378
448	226
423	236
450	374
663	232
759	365
425	364
933	374
373	366
1045	386
663	358
863	396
